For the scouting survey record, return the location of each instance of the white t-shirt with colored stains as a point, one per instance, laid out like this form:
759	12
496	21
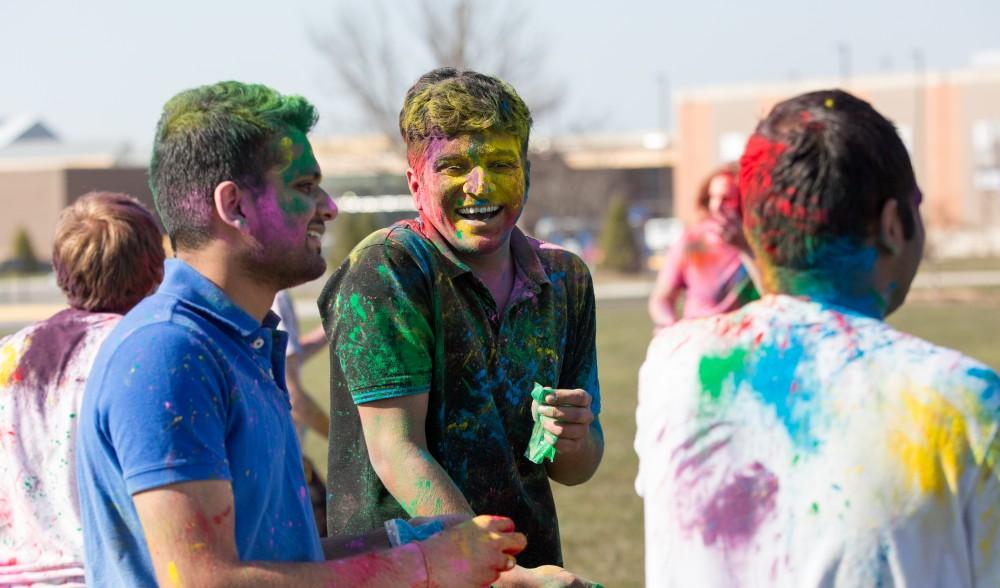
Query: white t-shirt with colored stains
43	372
796	444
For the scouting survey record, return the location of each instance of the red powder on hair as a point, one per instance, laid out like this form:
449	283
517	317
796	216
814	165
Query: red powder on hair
757	165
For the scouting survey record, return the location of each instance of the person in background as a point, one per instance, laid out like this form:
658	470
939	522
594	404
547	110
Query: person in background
306	414
188	465
709	264
107	257
800	440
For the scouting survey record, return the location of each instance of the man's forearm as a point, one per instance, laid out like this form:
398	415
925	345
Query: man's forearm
312	342
403	566
350	545
575	468
306	411
418	482
662	309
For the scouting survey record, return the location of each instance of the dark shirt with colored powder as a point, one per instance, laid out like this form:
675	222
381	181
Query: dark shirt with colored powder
405	316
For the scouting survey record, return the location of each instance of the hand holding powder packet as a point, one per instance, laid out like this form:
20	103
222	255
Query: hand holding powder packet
541	446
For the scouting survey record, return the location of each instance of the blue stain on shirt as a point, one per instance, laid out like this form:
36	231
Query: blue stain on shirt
775	379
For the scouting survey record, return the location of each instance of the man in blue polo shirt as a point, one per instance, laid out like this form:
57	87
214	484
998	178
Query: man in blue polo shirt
188	464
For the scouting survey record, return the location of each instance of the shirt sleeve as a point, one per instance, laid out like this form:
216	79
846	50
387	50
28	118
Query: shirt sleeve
982	513
671	274
580	366
285	309
376	312
167	418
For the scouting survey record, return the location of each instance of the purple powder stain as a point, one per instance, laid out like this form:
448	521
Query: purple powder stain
52	346
734	513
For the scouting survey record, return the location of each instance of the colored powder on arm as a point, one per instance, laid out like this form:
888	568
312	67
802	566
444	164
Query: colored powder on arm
173	574
540	447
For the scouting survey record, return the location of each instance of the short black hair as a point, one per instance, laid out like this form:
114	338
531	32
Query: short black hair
211	134
821	166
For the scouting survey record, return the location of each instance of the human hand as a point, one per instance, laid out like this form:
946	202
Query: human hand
569	419
472	553
543	577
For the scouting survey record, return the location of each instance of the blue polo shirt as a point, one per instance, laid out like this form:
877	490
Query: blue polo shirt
190	387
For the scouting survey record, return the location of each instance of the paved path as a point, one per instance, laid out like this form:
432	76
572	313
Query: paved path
14	316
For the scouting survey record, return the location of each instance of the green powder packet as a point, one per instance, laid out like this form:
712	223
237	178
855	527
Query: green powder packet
539	447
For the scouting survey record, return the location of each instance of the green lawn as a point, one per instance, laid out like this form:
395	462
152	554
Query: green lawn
961	264
601	521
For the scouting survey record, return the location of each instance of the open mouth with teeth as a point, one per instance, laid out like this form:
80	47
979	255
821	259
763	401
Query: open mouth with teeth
479	213
315	234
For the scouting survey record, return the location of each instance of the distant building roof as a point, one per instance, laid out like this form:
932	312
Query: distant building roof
35	155
24	128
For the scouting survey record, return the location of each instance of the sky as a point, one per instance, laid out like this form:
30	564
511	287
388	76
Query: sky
102	69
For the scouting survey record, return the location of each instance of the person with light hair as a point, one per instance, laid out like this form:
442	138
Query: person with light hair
440	328
107	256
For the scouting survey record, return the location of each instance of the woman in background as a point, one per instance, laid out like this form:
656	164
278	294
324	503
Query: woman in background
710	263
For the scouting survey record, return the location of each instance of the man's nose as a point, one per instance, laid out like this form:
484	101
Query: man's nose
476	182
327	207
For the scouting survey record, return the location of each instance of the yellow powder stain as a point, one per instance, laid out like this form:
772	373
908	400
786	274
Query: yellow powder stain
197	546
549	353
285	154
930	442
9	356
173	574
462	426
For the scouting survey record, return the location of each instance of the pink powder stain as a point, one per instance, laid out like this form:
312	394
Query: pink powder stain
734	513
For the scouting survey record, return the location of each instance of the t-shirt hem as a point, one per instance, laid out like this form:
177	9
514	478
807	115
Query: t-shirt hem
163	476
386	393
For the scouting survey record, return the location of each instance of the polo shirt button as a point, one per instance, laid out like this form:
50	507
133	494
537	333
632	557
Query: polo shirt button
257	343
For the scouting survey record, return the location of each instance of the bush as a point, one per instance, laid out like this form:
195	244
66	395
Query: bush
22	249
22	260
349	229
619	250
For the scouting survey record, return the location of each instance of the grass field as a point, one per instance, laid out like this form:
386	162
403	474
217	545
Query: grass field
601	521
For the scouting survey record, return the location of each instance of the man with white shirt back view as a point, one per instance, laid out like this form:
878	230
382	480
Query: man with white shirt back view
801	441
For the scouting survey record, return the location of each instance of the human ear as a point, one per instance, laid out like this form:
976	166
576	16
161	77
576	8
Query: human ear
891	236
413	183
228	200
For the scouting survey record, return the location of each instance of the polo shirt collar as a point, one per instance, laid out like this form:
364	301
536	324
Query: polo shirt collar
194	290
523	249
